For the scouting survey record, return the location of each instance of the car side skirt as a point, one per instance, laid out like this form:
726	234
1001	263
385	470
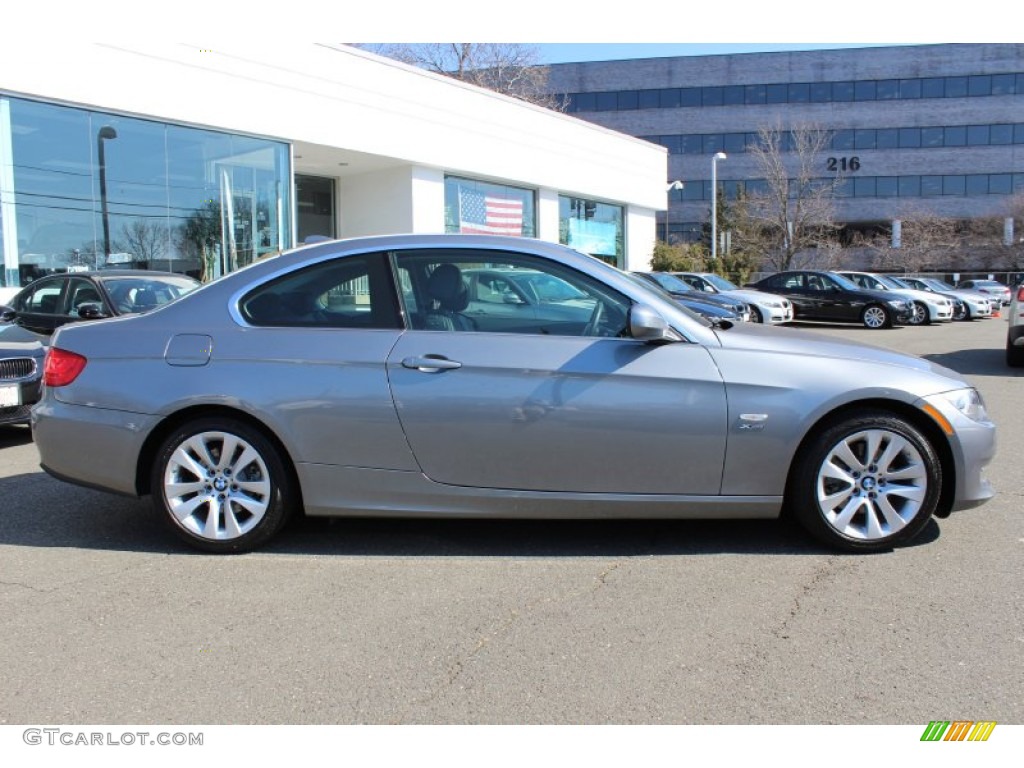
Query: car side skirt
330	491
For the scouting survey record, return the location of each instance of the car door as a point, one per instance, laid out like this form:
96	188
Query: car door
794	286
834	302
41	307
578	410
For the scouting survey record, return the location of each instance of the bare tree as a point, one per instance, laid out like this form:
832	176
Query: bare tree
513	69
927	242
146	240
793	213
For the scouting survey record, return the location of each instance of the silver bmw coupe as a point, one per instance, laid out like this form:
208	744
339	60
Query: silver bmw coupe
373	377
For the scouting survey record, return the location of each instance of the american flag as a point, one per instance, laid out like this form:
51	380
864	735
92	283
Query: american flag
483	214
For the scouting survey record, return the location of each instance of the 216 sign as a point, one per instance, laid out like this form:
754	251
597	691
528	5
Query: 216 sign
844	163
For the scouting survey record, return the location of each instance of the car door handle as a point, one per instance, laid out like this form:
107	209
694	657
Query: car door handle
431	363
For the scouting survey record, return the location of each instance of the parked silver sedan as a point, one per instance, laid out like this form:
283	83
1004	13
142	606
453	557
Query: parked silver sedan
345	378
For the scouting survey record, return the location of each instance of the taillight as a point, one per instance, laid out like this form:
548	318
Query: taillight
1020	293
61	367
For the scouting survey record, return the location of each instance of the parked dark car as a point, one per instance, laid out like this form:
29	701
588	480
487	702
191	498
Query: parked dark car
46	304
833	298
681	291
21	372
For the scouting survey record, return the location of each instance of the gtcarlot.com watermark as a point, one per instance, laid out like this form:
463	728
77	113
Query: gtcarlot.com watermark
53	737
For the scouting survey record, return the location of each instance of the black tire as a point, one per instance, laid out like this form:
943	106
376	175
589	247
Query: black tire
967	317
1014	355
755	315
919	314
864	508
875	317
244	499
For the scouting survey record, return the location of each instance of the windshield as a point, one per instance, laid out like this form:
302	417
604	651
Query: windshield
138	294
844	282
939	285
888	282
720	282
669	282
550	289
657	289
900	283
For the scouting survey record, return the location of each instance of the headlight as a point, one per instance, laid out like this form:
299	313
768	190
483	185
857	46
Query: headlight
968	402
897	304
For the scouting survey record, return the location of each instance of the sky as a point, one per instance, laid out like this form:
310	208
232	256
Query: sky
612	25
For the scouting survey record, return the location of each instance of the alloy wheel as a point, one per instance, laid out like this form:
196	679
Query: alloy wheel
217	486
871	485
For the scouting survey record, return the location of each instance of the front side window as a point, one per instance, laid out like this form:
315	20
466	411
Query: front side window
44	298
503	292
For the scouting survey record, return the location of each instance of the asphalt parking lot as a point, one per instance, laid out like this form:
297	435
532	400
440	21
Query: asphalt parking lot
108	620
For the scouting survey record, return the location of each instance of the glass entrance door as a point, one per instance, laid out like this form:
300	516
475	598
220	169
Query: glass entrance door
314	196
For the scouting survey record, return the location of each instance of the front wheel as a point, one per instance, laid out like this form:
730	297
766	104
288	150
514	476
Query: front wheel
875	316
221	486
1014	355
919	314
866	483
755	315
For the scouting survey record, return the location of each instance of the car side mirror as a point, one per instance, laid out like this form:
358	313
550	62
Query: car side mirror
7	314
645	324
92	311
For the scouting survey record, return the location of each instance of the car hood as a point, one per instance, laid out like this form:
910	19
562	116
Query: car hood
753	297
20	341
790	341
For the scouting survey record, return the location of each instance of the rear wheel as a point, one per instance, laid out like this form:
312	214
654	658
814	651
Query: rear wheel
866	483
221	486
875	316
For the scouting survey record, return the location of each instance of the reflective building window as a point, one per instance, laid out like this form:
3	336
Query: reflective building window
593	227
92	190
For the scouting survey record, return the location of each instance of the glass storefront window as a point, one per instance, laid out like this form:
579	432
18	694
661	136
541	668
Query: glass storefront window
593	227
481	208
93	190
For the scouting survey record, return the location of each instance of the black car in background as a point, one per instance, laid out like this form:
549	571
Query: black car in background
818	295
44	305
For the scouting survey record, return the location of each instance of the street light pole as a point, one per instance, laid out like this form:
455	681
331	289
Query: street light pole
106	132
672	187
714	202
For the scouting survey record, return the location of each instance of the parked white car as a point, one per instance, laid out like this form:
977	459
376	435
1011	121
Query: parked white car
975	304
926	306
764	307
992	288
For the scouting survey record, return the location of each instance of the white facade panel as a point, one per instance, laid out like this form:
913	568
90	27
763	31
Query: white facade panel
386	132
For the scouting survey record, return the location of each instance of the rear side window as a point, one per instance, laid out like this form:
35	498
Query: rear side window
347	292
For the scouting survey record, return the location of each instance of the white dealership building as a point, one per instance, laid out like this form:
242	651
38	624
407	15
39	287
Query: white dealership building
202	160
